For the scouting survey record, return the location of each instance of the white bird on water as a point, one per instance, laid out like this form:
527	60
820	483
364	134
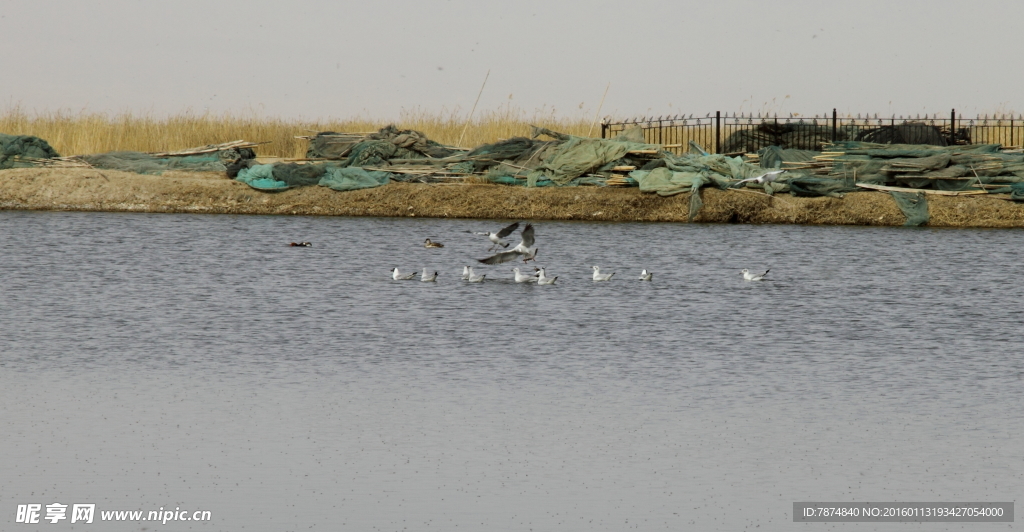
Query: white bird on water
524	278
646	275
747	276
766	177
428	278
598	276
496	238
465	273
544	279
398	276
474	278
525	250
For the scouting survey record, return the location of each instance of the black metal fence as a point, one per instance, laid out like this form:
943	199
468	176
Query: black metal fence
739	133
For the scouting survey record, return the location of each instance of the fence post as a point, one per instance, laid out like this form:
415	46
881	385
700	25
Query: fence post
952	127
718	132
834	121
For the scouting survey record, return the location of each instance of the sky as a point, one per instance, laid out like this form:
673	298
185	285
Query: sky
382	59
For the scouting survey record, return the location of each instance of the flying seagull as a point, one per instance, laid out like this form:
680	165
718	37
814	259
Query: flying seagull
747	276
598	276
525	249
646	275
524	278
495	238
398	276
544	279
766	177
474	278
428	278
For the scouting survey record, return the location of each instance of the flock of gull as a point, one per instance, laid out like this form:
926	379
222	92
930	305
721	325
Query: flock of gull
526	251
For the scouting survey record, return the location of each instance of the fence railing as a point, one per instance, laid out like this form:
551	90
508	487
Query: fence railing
740	133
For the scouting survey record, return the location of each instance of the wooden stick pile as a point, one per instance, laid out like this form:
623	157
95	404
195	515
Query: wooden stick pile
72	161
209	148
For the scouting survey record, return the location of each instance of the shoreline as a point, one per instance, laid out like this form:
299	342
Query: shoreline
83	189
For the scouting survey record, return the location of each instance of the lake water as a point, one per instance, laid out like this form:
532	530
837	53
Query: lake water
198	362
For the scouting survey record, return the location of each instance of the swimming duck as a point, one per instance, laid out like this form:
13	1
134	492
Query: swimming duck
431	244
301	244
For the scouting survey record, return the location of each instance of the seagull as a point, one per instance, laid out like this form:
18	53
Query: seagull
466	272
544	279
747	276
427	278
523	278
495	238
396	275
430	244
646	275
525	249
473	278
766	177
598	276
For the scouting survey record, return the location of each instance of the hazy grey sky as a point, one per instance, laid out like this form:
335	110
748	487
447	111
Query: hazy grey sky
339	59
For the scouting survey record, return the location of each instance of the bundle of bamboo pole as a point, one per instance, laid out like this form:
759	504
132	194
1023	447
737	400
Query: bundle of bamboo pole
72	161
209	148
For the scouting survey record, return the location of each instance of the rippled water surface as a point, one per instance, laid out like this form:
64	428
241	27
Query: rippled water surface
199	362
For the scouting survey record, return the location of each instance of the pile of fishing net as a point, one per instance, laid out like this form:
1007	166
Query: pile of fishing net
150	164
282	176
566	160
927	167
562	160
373	149
25	151
817	134
797	135
20	151
354	161
900	169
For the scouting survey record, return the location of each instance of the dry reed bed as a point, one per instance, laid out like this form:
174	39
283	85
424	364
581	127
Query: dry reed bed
86	133
92	190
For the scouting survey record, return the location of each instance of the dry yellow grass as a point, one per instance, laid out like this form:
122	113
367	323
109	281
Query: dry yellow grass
82	133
